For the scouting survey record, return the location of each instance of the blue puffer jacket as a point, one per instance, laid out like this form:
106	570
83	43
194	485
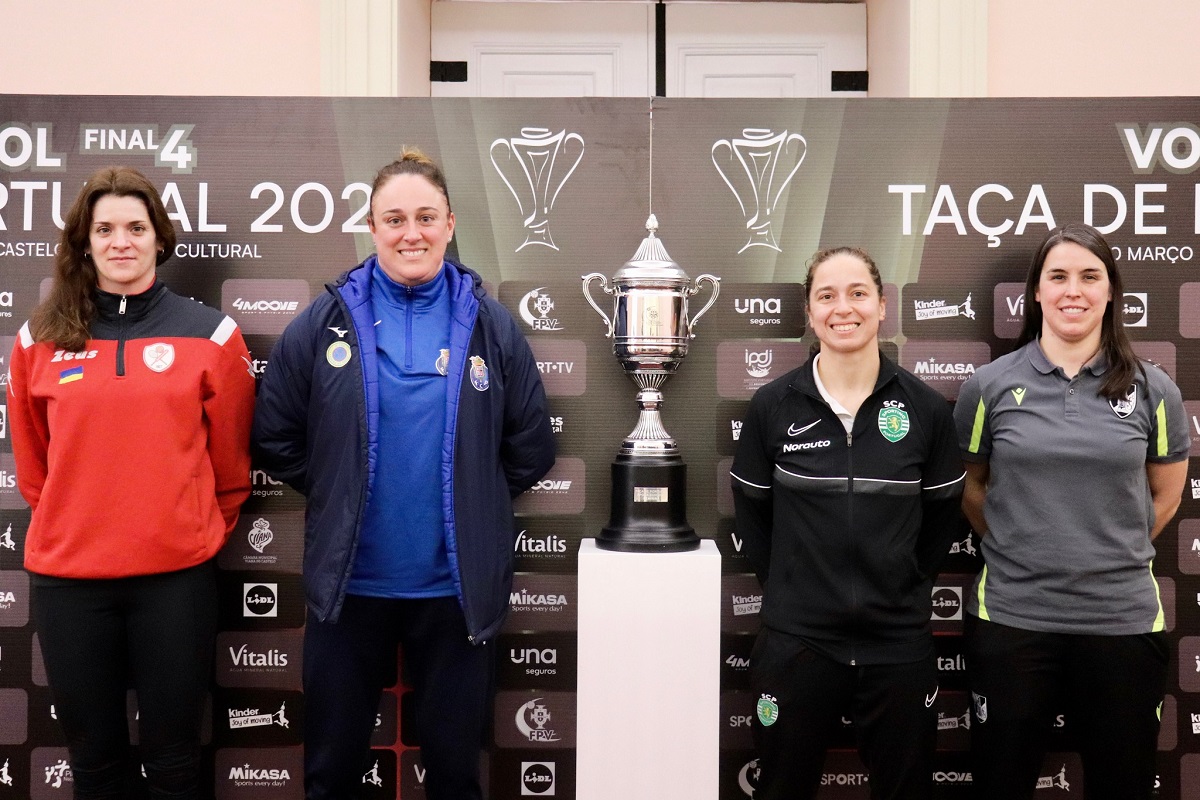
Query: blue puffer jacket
316	422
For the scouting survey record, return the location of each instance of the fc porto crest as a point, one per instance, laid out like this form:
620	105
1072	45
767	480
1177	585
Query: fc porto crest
158	357
893	423
1125	406
479	374
442	365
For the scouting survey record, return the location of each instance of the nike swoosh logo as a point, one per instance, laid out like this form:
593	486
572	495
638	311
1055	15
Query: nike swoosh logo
794	431
929	698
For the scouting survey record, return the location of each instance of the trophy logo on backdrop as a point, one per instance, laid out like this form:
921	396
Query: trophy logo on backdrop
539	163
769	161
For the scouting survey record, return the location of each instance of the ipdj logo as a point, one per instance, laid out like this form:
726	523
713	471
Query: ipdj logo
260	600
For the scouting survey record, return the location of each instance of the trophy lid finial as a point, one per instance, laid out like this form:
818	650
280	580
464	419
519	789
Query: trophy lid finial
652	224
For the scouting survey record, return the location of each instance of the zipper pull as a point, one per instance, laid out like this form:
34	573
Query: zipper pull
849	440
121	310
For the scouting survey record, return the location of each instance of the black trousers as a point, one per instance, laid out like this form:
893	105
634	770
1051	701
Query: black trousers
98	637
1109	687
347	665
891	706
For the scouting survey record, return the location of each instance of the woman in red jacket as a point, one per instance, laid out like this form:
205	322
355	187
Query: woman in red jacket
130	410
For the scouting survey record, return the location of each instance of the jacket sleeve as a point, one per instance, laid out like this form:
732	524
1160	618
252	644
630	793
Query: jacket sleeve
527	446
279	441
228	411
752	477
28	423
942	482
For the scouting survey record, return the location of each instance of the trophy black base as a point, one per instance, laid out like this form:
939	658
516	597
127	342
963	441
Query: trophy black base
649	507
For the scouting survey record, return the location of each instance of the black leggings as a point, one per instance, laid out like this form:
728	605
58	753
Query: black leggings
801	697
155	633
1110	688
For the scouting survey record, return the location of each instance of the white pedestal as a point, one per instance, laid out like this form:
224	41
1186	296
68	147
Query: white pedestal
649	674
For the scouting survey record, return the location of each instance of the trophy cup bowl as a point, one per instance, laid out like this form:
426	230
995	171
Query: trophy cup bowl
651	331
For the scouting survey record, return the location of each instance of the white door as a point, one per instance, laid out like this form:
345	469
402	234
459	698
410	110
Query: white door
763	49
545	49
606	49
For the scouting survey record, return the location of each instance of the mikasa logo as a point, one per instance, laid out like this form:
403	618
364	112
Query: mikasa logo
248	773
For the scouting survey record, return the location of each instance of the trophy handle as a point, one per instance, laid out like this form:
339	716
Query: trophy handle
716	290
587	283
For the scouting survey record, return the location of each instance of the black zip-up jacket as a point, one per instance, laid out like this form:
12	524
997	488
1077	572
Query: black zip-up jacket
847	531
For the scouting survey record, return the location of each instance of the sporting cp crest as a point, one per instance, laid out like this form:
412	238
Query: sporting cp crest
479	374
893	423
768	710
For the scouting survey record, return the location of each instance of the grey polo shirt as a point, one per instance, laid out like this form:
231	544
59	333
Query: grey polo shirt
1068	504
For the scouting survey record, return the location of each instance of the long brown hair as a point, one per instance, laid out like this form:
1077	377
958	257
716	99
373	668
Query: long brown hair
66	314
1114	343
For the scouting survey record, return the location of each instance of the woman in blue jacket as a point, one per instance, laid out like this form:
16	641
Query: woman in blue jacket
406	406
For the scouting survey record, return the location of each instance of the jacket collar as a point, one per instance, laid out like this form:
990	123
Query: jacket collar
108	305
803	380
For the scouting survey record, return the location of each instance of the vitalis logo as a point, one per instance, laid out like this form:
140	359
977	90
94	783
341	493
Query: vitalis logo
530	160
536	300
244	657
537	778
940	309
768	160
532	719
548	545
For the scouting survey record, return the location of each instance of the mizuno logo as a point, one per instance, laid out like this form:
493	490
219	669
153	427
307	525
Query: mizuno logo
341	333
1018	394
794	431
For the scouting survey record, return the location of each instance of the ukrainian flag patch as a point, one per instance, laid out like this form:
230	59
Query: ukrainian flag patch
70	375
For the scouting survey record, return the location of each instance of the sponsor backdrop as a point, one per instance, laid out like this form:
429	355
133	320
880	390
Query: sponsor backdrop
270	196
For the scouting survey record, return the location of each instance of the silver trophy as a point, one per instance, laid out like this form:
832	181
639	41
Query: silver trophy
651	331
